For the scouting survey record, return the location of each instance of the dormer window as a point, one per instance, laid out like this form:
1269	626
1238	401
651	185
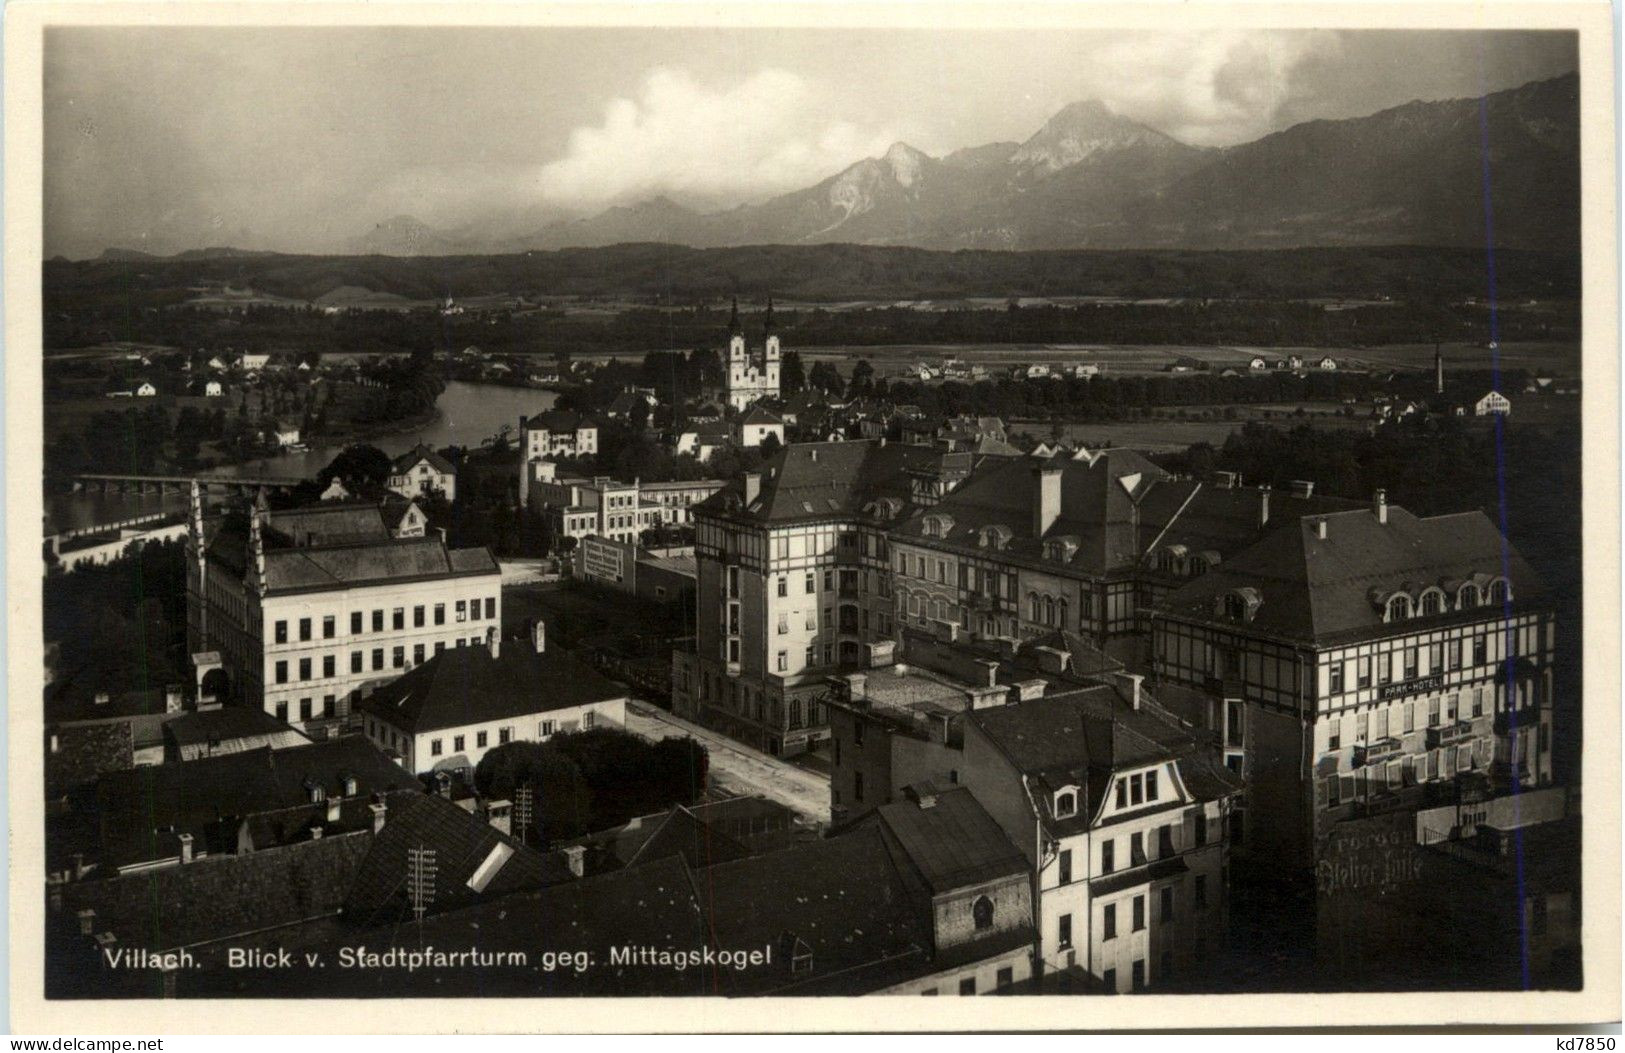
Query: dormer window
1399	608
981	913
1432	603
1500	591
995	537
1467	597
1066	803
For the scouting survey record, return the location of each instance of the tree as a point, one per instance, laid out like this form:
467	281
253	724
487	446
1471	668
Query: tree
792	375
563	801
862	379
358	465
825	377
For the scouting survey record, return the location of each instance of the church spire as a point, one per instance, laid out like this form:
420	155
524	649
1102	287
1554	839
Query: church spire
733	319
769	321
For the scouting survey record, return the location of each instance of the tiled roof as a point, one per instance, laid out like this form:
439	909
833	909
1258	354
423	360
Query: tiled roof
466	849
404	559
227	723
465	685
954	843
421	452
142	810
844	899
1207	518
828	479
219	897
1097	507
1326	589
560	422
326	523
759	415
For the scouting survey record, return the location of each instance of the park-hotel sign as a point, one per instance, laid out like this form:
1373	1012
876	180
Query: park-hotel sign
1411	687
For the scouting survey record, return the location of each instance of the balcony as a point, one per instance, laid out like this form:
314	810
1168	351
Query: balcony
1377	752
1450	735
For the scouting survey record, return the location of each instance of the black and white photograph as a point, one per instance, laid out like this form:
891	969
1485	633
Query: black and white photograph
738	511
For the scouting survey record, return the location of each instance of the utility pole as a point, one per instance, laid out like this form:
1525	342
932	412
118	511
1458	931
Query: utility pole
420	872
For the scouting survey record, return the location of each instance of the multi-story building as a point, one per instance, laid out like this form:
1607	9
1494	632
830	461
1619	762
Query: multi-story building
421	471
309	608
793	582
1080	543
1120	812
547	437
1366	661
757	425
752	375
605	507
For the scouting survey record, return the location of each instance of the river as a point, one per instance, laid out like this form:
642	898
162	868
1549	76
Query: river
469	414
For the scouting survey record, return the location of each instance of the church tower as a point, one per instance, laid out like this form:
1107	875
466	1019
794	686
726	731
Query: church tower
752	376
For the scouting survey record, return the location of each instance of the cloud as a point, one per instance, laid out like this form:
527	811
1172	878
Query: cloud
768	133
1207	88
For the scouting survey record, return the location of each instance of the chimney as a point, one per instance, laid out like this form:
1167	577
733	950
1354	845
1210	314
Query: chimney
349	786
814	452
855	684
575	856
1379	505
378	809
442	784
1134	682
1303	488
1047	502
1263	505
538	636
753	485
87	922
186	848
102	698
493	640
316	832
1438	370
1320	528
335	806
172	698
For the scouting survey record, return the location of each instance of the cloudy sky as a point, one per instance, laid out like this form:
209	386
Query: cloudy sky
303	139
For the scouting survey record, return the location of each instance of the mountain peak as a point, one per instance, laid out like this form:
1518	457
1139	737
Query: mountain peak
905	162
1080	131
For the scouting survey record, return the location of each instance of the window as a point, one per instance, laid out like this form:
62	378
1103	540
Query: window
440	614
1382	724
436	746
1385	667
1122	793
1107	851
417	654
1136	790
857	786
545	728
282	712
1165	840
439	645
1478	701
304	669
1139	913
1108	922
399	657
355	661
457	743
355	623
587	719
1336	678
378	621
481	739
304	629
1398	608
784	586
784	623
1136	849
857	733
1139	974
1362	671
377	658
398	618
1109	978
1410	663
812	583
327	665
462	610
282	672
1410	717
981	913
967	986
1167	913
784	661
1453	654
1199	828
1063	935
1006	976
304	709
281	632
1334	734
1433	712
1066	803
1478	650
1150	786
490	606
1362	726
1066	866
330	627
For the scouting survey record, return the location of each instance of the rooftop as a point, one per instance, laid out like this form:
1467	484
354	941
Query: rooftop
465	685
950	839
421	452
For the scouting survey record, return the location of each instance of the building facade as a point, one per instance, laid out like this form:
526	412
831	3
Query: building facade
1363	662
421	471
547	437
310	608
752	375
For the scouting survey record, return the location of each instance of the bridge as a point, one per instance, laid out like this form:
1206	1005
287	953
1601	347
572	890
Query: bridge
162	484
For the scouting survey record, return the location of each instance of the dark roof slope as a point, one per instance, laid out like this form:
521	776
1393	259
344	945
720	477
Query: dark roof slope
560	421
758	414
421	452
219	725
822	480
1327	589
952	841
461	843
465	685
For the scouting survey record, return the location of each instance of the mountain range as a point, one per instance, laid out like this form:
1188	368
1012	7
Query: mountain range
1416	174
